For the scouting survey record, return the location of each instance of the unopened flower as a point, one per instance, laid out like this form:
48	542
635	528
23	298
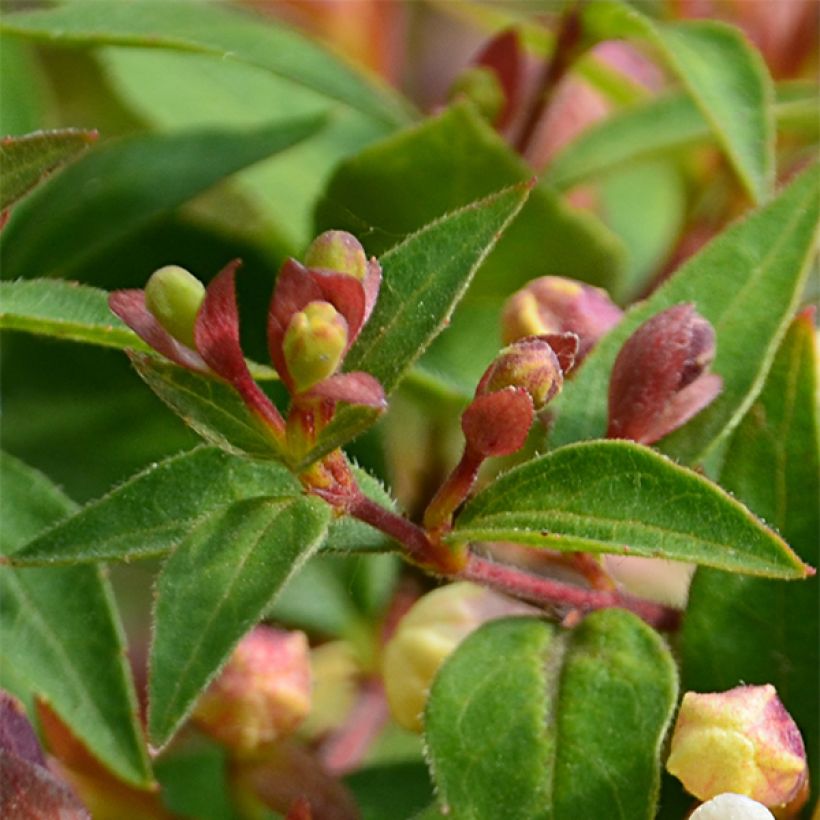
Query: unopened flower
314	344
552	304
660	379
338	251
430	631
262	694
730	806
742	741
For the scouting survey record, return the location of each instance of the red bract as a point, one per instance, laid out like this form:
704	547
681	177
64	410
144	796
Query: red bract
497	424
503	56
659	380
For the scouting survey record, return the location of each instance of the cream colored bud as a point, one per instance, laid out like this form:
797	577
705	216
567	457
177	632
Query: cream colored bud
730	806
174	296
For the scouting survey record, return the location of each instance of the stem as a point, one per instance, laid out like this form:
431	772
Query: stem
453	491
540	590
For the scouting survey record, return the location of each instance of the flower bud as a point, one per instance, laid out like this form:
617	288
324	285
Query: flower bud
314	344
337	251
741	741
432	628
174	296
482	87
552	304
730	806
262	694
497	424
530	364
659	380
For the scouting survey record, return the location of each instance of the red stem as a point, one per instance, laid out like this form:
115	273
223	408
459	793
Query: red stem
540	590
453	491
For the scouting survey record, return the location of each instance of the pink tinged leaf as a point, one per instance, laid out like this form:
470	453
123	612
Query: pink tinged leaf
217	340
353	388
32	792
16	734
129	305
502	55
497	424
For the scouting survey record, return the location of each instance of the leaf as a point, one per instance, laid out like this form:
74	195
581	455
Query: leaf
746	282
27	160
209	406
51	236
214	588
209	29
150	513
569	725
385	790
658	126
60	633
431	270
724	75
749	629
621	497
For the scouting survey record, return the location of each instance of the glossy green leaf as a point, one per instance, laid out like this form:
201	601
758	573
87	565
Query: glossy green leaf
208	405
214	588
423	279
126	184
749	629
27	160
621	497
746	282
150	513
210	29
724	75
569	725
657	127
404	182
60	633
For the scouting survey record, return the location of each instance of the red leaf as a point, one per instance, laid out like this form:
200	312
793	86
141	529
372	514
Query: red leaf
502	55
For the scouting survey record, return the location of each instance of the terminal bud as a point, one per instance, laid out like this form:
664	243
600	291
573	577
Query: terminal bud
337	251
741	741
174	297
730	806
314	344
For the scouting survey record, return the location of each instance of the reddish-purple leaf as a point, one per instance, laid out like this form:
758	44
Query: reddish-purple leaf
503	56
497	424
16	734
32	792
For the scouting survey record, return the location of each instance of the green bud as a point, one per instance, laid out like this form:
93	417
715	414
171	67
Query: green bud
174	296
482	87
314	344
338	251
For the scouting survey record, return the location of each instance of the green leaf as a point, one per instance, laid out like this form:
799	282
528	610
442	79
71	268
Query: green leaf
724	75
214	588
27	160
209	406
210	29
749	629
746	282
150	513
423	279
391	789
569	725
60	633
656	127
621	497
126	184
25	100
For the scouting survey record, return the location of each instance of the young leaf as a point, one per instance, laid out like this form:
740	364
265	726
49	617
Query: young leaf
151	512
746	282
568	725
208	405
723	74
658	126
754	630
214	588
208	29
50	235
27	160
621	497
60	633
423	279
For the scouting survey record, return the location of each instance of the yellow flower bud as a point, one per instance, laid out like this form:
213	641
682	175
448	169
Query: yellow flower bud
337	251
174	296
314	344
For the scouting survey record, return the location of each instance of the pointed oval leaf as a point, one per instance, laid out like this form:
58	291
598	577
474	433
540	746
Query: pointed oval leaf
51	236
724	75
222	32
25	161
214	588
60	632
621	497
751	629
746	282
150	513
423	280
569	725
